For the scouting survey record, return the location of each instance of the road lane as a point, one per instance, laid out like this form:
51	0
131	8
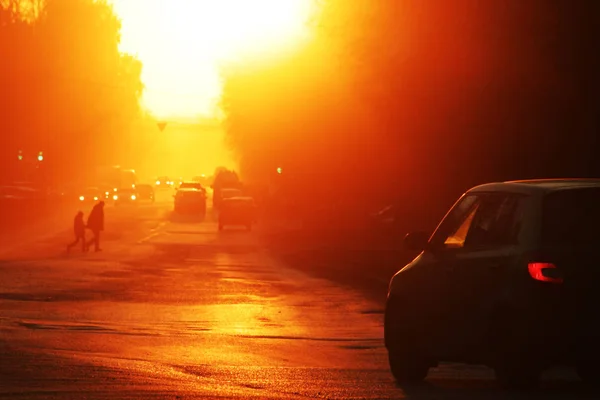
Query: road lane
172	307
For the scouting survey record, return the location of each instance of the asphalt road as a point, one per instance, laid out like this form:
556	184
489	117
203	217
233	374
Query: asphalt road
173	309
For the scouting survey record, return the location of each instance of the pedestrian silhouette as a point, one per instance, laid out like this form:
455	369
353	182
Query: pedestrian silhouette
79	230
95	223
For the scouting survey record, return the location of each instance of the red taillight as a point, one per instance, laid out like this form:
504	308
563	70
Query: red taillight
545	272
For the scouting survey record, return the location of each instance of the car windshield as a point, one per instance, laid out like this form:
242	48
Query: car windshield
189	193
571	218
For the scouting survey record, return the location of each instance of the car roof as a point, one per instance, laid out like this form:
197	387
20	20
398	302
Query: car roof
533	186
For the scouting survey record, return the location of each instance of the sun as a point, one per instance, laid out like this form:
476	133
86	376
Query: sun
183	43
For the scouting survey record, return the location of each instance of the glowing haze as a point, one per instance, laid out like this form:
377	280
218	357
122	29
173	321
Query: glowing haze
183	43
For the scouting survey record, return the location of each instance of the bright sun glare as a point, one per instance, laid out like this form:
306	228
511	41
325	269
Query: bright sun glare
183	43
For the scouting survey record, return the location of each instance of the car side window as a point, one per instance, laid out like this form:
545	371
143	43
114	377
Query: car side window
496	222
453	230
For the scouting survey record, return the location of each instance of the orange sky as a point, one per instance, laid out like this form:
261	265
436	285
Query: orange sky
183	43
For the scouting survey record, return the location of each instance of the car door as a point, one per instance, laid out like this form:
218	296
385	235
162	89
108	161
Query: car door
430	277
477	272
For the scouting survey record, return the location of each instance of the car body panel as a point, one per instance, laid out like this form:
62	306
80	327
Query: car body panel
446	300
237	211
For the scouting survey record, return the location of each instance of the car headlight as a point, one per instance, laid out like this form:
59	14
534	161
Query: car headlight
96	198
81	198
115	197
158	182
133	197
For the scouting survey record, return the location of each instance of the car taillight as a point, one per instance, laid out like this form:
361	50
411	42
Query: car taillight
545	272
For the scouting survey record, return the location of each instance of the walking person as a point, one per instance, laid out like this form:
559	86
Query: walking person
95	223
79	230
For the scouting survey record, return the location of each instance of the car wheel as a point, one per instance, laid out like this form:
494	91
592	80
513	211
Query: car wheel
408	368
406	364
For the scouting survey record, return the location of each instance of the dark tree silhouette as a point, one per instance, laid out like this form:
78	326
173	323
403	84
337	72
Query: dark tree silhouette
67	90
419	100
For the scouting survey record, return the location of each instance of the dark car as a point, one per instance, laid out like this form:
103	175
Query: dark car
237	211
509	279
190	201
145	192
126	196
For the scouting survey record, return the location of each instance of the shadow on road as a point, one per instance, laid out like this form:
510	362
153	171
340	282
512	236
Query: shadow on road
186	218
476	389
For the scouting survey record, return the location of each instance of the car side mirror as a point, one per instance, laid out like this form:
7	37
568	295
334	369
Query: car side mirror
416	241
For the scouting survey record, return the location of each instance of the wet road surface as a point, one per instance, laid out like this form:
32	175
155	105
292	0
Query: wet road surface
174	309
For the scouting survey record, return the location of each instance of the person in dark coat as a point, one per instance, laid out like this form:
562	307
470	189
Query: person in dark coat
95	223
79	230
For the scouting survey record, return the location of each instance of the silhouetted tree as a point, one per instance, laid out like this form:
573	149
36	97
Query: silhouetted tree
68	90
419	100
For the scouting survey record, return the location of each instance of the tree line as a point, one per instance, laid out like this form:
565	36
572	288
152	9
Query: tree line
416	101
67	91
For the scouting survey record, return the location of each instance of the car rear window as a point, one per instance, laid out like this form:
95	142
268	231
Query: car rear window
571	217
189	193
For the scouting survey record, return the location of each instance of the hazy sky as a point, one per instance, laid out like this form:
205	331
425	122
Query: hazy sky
182	44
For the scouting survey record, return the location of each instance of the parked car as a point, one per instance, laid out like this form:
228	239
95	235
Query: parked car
237	211
508	279
190	201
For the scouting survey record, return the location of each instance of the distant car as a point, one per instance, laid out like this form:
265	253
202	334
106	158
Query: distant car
107	192
192	185
126	196
237	211
190	201
508	279
164	182
145	192
90	195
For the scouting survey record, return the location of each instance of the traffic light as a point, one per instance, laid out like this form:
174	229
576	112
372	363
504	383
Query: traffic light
40	156
20	156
